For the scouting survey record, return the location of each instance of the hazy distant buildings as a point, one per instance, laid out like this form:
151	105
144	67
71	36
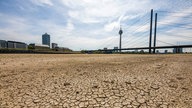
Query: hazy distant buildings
142	51
38	46
178	50
54	45
3	44
46	39
115	49
10	44
166	51
15	44
136	51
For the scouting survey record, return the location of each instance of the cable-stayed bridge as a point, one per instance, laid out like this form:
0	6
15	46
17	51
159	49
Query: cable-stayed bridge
154	30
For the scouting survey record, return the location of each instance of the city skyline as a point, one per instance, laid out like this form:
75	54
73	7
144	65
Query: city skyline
85	24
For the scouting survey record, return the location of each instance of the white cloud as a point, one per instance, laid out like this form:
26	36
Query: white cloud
42	2
109	27
70	27
87	11
80	16
114	25
170	32
175	17
17	30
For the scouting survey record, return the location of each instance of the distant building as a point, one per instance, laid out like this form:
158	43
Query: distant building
39	46
115	49
64	49
46	39
166	51
178	50
10	44
136	51
107	51
54	45
17	45
142	51
3	44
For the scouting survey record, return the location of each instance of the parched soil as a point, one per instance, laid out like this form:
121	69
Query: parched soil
95	81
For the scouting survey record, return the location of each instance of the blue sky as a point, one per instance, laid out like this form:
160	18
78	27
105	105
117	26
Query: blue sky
94	24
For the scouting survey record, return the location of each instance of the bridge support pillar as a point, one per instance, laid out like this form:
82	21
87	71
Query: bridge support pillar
150	36
155	34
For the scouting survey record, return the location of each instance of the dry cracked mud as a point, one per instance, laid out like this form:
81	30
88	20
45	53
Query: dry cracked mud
95	81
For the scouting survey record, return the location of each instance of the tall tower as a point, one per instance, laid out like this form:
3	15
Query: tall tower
151	27
120	33
46	39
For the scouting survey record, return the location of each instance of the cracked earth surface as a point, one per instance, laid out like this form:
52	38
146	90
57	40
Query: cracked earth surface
95	81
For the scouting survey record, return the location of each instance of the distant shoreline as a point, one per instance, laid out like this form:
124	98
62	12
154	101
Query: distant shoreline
18	51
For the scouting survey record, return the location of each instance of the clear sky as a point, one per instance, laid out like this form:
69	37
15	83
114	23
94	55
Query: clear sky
93	24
